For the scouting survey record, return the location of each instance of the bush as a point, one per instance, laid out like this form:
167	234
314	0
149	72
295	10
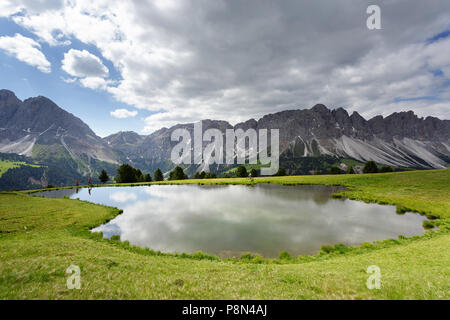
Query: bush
247	256
199	175
115	238
341	248
350	170
386	169
50	186
284	255
241	172
432	216
428	224
254	173
281	172
370	167
338	248
210	175
326	249
203	256
401	210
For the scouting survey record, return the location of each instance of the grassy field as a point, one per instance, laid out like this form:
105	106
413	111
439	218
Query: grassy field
40	238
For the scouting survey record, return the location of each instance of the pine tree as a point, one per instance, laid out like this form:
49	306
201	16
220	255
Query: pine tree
139	175
103	177
370	167
281	172
335	170
158	175
126	174
386	169
350	170
177	174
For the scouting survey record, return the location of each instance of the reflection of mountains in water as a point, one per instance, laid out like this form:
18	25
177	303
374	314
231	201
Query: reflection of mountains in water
234	219
318	193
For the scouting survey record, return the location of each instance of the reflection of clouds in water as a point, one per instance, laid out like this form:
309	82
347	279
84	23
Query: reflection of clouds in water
109	229
262	220
122	197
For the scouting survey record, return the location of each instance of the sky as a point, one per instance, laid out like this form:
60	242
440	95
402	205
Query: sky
143	65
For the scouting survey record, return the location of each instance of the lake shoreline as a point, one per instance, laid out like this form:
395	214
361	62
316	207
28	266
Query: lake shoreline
424	258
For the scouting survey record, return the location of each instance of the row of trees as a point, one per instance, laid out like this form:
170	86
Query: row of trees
205	175
128	174
369	167
241	172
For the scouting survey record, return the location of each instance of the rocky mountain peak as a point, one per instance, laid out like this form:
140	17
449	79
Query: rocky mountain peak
401	139
124	137
320	108
6	94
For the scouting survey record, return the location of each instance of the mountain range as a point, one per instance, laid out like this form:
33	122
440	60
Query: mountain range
311	140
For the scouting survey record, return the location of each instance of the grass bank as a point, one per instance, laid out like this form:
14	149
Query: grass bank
40	238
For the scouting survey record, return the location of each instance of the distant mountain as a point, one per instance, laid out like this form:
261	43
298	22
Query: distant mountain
311	140
401	139
39	129
40	122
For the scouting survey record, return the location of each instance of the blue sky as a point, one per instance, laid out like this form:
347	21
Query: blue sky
157	63
93	107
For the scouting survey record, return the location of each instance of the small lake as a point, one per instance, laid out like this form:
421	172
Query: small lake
234	219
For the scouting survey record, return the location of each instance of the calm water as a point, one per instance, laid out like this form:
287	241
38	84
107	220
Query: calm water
231	220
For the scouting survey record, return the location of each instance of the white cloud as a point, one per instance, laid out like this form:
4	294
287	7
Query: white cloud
83	64
8	7
123	113
95	83
240	59
121	196
168	119
69	80
26	50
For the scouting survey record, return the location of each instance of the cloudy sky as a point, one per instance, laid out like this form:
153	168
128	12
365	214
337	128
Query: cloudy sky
141	65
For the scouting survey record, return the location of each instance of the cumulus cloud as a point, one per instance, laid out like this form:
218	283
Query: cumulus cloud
122	197
168	119
69	80
12	7
83	64
8	7
123	113
95	83
26	50
233	60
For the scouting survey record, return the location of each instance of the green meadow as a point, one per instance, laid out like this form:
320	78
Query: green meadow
40	238
5	165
